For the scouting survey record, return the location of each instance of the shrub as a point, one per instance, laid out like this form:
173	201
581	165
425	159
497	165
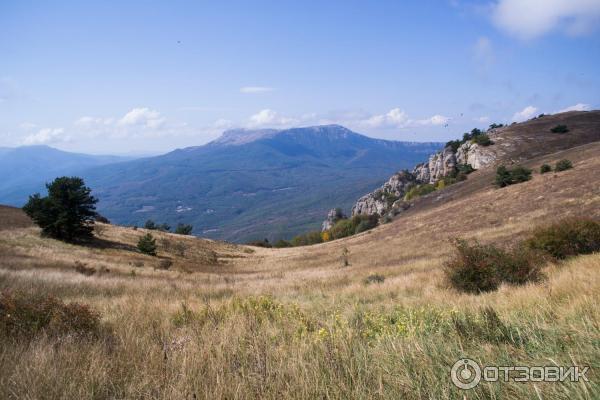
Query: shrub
151	225
147	244
165	263
419	190
482	268
560	129
520	174
282	243
482	140
517	174
307	239
568	237
260	243
352	226
563	165
24	316
374	278
101	218
494	126
464	168
454	145
545	168
364	222
67	213
184	229
83	269
345	257
342	228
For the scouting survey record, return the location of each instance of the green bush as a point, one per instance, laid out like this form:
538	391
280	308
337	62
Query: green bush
307	239
517	174
520	174
23	316
184	229
560	129
67	213
419	190
147	244
464	168
260	243
352	226
568	237
151	225
481	268
545	168
342	228
563	165
364	223
282	243
482	140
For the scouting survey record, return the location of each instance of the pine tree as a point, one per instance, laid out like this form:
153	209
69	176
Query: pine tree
67	213
147	244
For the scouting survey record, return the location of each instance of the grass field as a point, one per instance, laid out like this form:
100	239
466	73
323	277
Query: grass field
228	321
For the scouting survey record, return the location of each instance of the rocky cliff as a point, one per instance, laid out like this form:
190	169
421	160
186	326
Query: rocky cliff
442	164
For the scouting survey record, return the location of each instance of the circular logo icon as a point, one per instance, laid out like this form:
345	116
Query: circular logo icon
465	373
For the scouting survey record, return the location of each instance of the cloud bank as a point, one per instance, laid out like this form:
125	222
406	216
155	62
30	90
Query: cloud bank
529	19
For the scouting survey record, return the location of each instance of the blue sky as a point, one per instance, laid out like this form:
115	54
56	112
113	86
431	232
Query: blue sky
137	77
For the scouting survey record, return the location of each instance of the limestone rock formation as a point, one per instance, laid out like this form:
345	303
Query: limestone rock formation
334	215
476	155
382	199
440	164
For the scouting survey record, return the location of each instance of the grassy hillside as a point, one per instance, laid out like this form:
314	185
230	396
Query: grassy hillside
229	321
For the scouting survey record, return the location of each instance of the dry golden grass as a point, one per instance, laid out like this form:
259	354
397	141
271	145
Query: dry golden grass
228	321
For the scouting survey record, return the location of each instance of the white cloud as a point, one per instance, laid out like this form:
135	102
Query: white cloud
256	89
528	19
270	118
525	114
483	120
576	107
435	120
46	136
142	117
396	118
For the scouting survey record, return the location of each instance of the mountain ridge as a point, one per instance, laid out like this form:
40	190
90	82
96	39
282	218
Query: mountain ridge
278	184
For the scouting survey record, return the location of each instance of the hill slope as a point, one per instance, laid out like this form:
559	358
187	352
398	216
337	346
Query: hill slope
252	184
294	323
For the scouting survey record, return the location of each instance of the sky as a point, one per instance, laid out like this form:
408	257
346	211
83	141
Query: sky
143	77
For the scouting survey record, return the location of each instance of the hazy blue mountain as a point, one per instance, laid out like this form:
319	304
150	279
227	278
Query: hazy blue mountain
26	169
252	184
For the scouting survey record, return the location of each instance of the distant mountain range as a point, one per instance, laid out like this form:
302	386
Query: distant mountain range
25	169
248	184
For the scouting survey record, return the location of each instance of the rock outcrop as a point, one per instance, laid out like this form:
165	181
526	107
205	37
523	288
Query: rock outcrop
475	155
334	215
440	164
382	199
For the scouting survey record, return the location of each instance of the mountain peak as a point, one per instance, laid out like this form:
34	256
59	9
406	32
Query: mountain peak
236	137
